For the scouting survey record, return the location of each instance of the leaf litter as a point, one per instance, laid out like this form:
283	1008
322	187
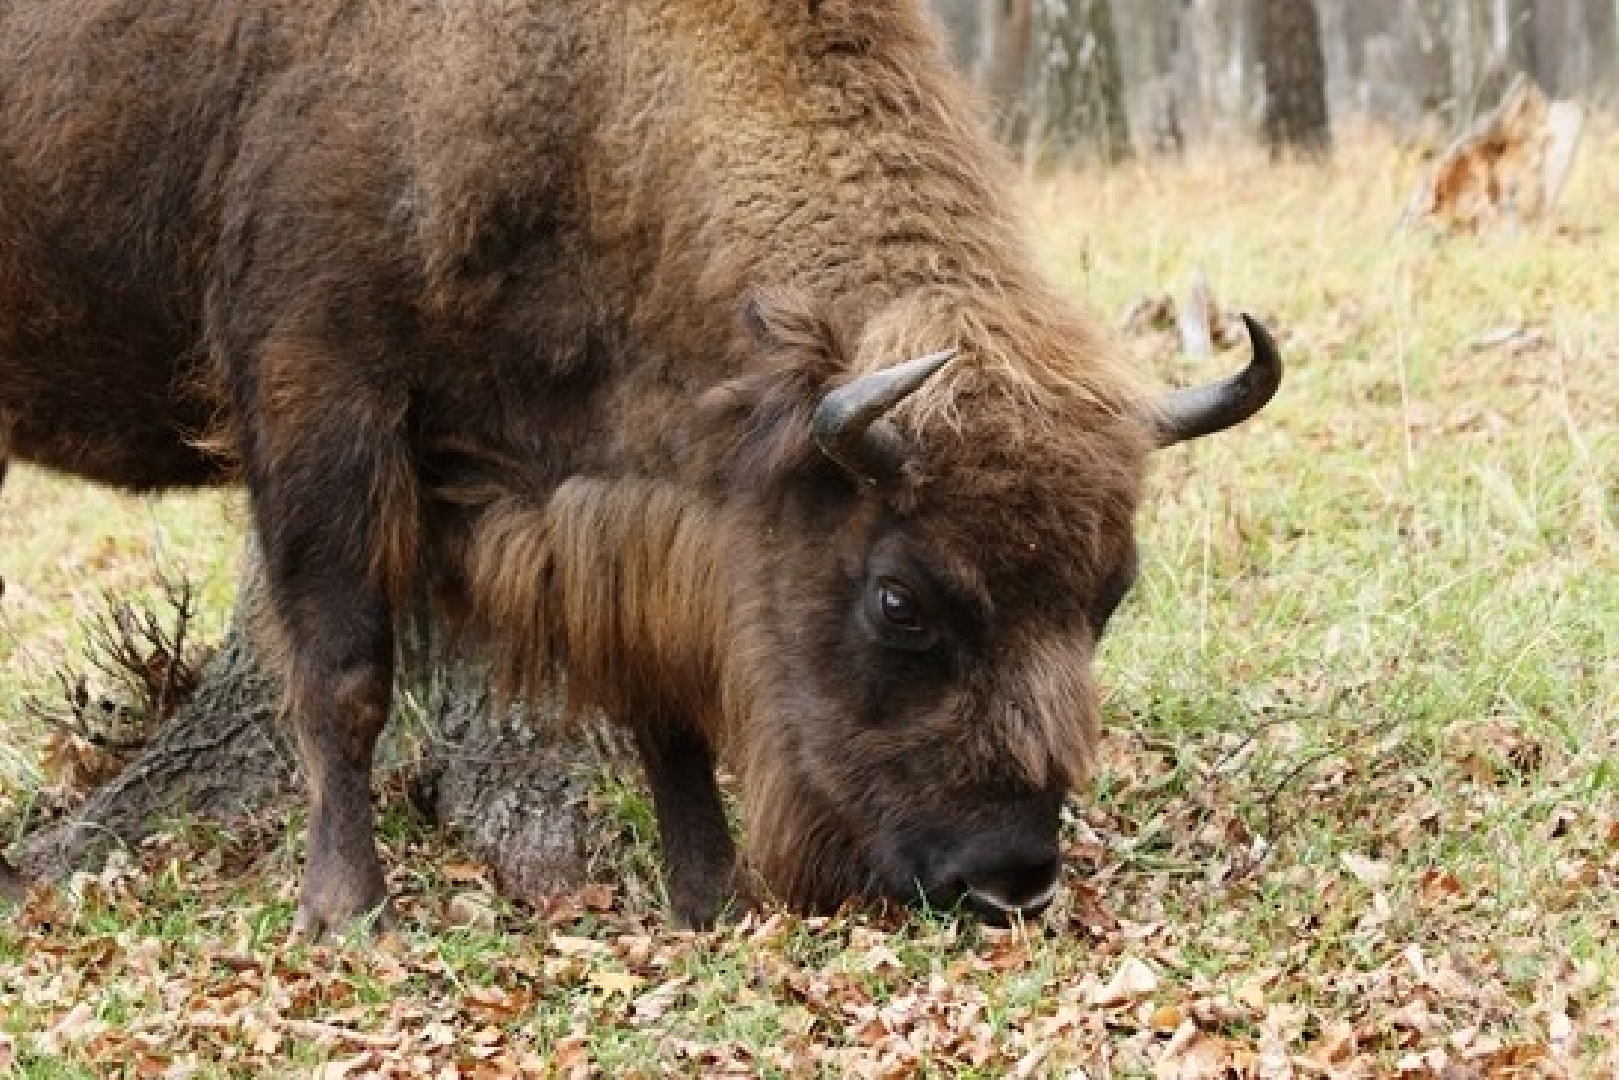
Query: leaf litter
1140	969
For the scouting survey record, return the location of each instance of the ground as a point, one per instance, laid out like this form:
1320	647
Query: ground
1358	808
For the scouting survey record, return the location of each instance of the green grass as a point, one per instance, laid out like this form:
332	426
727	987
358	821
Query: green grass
1362	770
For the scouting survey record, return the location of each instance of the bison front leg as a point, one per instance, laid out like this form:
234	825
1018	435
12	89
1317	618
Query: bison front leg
699	856
338	632
342	705
320	474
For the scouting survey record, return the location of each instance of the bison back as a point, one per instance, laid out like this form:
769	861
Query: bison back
118	119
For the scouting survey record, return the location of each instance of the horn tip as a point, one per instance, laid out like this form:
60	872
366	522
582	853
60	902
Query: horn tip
1266	364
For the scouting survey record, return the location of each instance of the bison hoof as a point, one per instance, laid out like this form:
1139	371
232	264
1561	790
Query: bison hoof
340	901
313	924
706	916
705	907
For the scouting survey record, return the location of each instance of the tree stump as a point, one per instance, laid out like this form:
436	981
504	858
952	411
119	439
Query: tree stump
510	782
1508	169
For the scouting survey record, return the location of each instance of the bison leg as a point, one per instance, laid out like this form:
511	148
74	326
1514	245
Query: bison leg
341	700
315	472
699	856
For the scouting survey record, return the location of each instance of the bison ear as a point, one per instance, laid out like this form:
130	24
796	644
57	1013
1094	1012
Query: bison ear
784	321
759	425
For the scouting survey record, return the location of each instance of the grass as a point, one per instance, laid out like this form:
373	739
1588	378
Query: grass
1359	804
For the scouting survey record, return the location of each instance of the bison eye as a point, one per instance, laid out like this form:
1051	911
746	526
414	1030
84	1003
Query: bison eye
898	605
896	614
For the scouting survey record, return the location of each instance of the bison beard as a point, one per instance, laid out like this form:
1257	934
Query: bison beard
598	327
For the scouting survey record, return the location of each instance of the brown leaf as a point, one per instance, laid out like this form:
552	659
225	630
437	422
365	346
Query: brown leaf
570	1057
76	764
597	897
494	1004
1166	1019
1439	885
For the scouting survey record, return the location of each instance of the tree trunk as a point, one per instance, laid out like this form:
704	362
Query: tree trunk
513	791
1428	48
1078	85
1513	24
960	19
1220	61
1295	76
1152	43
1574	46
1006	35
1052	74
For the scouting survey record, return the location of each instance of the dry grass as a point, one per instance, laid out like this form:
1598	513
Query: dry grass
1359	813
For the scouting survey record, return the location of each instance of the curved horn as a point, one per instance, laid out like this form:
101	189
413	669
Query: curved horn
846	424
1203	410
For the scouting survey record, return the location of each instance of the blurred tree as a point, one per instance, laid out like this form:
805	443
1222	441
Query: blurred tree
1224	61
1153	32
960	20
1574	46
1427	47
1006	43
1078	86
1295	76
1051	71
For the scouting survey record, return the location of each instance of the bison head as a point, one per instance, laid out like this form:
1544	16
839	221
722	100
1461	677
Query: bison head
916	608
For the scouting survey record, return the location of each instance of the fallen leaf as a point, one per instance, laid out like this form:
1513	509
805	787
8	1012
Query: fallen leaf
1373	872
597	897
566	945
494	1003
471	910
651	1006
1166	1018
1440	884
1132	981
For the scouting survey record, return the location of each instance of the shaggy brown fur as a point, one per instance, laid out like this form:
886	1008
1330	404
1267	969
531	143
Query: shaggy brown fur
535	302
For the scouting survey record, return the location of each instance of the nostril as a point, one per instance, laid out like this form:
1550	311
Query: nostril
1035	878
1024	886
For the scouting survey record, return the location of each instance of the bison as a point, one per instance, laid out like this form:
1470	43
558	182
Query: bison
686	351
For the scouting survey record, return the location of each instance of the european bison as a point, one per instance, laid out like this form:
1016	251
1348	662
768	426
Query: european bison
685	347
